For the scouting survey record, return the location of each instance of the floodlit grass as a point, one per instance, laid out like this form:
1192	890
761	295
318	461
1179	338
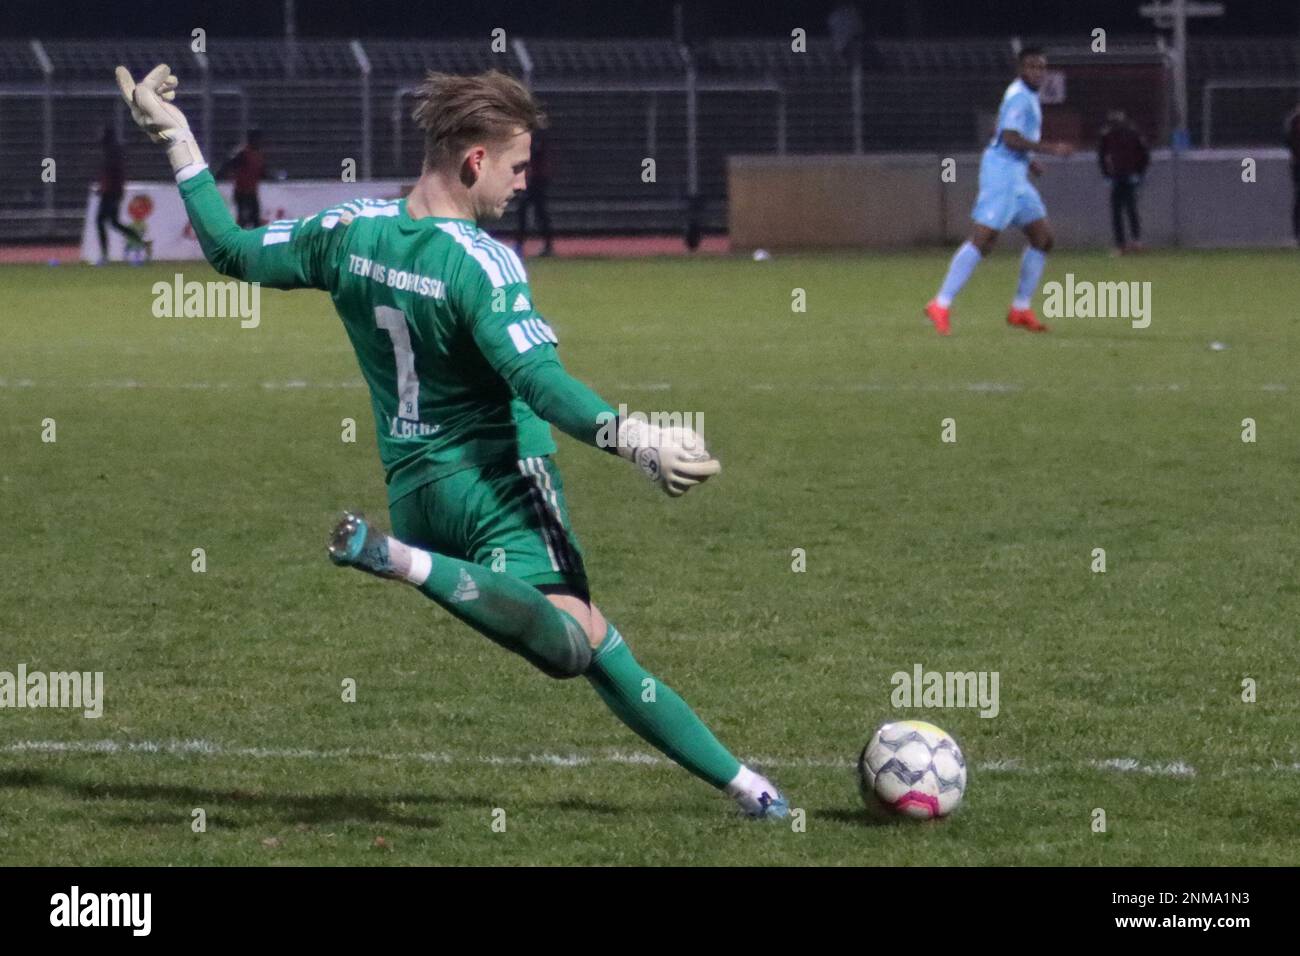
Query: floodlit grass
223	689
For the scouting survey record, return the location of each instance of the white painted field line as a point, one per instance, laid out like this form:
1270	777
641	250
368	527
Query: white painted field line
848	388
129	384
1129	765
199	747
208	748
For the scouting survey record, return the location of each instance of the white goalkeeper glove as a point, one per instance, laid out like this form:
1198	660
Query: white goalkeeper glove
673	458
151	108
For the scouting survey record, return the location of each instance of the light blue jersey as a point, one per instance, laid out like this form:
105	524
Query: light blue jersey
1006	196
1021	112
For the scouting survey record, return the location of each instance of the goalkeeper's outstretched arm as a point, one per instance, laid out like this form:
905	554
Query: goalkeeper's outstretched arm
293	254
281	256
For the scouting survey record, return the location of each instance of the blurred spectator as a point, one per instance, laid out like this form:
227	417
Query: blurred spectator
249	166
1124	158
1292	129
111	187
539	181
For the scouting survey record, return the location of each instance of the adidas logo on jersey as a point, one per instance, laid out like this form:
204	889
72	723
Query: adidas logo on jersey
466	589
522	304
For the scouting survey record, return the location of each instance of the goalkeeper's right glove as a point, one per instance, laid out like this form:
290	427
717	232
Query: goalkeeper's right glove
151	108
674	458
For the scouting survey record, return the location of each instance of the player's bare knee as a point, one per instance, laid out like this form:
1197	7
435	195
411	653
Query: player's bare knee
1040	236
984	240
587	615
596	627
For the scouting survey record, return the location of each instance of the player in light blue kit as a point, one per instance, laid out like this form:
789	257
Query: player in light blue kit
1008	198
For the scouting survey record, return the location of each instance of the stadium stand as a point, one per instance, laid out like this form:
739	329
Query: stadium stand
612	103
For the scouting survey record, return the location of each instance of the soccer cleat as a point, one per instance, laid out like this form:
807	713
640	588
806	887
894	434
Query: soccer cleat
355	543
772	807
1026	319
760	800
939	316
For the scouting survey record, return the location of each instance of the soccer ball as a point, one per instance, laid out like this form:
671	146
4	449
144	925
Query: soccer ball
913	768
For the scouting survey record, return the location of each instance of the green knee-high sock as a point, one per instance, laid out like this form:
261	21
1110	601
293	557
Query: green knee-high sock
660	718
511	612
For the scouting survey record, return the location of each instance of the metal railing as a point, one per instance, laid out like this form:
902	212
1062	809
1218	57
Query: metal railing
690	106
689	89
50	94
1273	117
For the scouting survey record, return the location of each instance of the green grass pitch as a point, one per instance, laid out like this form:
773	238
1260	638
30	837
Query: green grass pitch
1120	691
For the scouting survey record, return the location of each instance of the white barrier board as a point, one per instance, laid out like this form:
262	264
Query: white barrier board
156	212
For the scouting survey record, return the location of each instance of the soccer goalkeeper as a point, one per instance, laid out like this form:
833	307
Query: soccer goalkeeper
464	377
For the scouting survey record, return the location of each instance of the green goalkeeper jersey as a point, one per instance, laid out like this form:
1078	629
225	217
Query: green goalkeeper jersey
459	362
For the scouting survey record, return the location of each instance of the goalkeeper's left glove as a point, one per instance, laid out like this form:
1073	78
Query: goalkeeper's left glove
151	108
673	458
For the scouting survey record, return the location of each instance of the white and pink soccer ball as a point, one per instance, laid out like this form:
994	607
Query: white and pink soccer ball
912	768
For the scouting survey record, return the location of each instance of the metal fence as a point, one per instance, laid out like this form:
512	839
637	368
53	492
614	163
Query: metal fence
613	103
1246	112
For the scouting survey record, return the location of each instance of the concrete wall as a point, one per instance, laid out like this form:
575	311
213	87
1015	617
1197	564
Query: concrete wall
898	200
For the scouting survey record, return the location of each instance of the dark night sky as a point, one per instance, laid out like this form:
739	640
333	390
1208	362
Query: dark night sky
414	19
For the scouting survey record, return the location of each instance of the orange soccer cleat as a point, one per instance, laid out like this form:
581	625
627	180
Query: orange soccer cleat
1026	319
939	316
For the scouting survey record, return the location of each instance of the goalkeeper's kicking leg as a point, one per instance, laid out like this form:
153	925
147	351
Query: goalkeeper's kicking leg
564	636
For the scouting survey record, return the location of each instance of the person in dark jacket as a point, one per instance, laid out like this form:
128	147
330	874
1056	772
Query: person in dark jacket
1124	158
249	167
111	186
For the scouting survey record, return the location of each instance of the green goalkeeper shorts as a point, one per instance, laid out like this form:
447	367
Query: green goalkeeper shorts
510	518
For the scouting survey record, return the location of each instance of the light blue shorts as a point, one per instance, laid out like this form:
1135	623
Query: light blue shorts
1006	197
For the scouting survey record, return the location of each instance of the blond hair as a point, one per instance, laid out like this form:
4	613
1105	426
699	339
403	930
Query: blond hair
455	111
